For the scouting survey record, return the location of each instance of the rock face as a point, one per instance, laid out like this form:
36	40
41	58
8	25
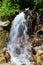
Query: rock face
36	43
3	33
3	37
39	57
36	55
40	33
3	40
5	23
2	59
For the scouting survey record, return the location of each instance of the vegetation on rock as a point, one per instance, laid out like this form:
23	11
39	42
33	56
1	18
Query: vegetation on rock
9	7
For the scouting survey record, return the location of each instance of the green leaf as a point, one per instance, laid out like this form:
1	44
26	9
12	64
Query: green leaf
36	1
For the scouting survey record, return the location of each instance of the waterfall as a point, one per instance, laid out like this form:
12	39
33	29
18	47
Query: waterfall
16	37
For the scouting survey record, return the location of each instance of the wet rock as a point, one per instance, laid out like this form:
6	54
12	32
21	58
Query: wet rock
40	33
33	51
18	50
23	64
11	64
7	56
31	24
36	43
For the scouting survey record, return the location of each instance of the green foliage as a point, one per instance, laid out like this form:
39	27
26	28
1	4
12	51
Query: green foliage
8	8
41	10
40	3
36	2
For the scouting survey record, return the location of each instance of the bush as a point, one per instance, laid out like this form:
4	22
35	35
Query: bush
8	8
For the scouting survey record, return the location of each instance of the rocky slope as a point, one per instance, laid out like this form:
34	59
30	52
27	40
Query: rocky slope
35	59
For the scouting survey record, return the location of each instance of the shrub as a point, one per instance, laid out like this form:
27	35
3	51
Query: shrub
8	8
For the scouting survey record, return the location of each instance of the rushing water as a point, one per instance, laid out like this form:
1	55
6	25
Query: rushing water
16	37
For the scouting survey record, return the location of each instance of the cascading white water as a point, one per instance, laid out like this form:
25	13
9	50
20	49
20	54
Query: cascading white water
16	37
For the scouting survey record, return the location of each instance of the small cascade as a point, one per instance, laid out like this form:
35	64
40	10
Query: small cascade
17	42
16	37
